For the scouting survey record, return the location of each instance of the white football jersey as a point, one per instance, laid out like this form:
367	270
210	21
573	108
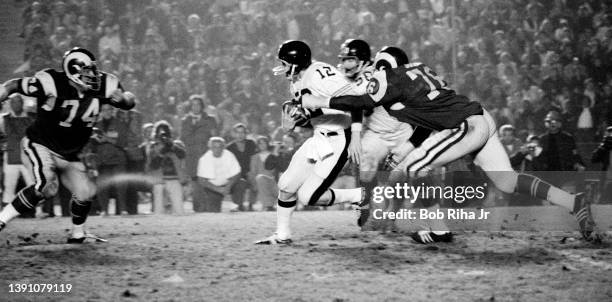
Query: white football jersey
324	80
379	121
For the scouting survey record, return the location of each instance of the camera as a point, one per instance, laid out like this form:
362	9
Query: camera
531	147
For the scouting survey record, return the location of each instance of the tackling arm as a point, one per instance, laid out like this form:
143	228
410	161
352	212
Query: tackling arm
8	88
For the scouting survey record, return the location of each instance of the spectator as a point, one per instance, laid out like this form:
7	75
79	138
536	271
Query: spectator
110	40
218	173
13	126
527	157
281	155
602	155
243	149
166	163
507	138
111	160
198	128
129	140
262	178
559	151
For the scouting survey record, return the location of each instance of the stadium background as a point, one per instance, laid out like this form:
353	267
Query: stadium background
514	56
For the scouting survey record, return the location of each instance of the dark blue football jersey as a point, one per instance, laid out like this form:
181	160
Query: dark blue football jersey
415	94
65	117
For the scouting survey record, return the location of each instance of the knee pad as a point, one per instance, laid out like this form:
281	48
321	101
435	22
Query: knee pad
282	195
85	192
50	189
27	199
284	184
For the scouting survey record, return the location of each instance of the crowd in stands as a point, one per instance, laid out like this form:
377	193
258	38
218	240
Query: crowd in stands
204	68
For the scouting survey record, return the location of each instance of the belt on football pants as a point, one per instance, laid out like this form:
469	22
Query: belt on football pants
328	134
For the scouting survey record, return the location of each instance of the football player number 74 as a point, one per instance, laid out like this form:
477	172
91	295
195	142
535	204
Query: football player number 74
88	117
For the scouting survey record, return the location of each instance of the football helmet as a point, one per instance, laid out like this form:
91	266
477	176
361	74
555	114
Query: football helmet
390	57
294	56
354	56
79	64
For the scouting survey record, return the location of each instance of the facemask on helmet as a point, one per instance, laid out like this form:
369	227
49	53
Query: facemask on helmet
79	65
294	57
354	56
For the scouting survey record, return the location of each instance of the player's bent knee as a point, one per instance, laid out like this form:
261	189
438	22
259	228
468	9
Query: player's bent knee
284	184
504	181
304	195
50	189
86	192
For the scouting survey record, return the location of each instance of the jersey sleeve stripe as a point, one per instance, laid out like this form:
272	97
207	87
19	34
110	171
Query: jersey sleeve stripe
47	83
23	85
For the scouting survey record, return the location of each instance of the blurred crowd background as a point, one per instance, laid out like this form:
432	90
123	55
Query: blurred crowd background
202	69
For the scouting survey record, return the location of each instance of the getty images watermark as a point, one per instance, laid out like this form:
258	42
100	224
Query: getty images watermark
411	193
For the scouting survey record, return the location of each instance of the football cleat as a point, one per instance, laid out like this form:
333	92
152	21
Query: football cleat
273	240
582	212
76	239
426	237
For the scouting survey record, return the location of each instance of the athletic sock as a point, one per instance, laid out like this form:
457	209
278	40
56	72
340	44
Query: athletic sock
79	210
535	187
8	213
24	202
283	218
78	231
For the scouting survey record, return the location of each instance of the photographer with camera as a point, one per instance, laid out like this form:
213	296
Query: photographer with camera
165	161
527	157
602	155
111	161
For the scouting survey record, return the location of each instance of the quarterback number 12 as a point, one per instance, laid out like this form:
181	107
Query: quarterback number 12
328	72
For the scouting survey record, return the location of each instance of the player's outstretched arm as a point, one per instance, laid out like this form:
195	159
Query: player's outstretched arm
8	88
122	99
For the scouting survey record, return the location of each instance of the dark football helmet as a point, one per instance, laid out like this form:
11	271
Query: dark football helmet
295	56
390	57
354	56
79	64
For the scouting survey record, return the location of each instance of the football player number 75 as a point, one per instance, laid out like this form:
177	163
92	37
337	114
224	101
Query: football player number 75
88	117
434	82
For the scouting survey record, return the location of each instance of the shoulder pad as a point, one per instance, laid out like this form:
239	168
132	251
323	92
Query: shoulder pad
47	81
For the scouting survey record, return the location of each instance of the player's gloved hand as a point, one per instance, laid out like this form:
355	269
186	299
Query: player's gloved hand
293	114
390	162
92	173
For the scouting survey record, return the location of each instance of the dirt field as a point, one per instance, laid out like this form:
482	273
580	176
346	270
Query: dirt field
210	257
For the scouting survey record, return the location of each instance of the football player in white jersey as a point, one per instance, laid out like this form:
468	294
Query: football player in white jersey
317	163
383	134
